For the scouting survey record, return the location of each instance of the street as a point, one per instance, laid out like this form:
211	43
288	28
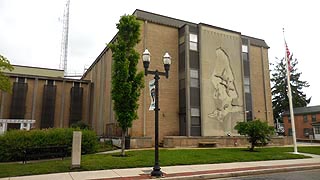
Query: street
297	175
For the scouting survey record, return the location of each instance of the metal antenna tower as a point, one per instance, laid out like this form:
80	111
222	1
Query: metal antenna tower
64	41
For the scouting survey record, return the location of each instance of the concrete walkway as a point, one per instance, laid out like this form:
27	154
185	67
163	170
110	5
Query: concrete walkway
203	171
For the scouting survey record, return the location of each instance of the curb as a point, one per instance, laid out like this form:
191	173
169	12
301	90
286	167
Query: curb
245	173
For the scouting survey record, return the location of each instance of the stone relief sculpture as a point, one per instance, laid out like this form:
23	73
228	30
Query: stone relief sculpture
224	93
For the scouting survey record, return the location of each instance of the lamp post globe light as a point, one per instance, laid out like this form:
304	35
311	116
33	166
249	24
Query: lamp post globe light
156	172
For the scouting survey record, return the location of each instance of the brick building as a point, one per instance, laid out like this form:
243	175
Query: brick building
218	77
307	122
45	98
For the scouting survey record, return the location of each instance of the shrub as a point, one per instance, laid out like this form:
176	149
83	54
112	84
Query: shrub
257	132
13	143
81	125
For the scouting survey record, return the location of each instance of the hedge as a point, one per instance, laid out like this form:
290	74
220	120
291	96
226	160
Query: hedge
14	142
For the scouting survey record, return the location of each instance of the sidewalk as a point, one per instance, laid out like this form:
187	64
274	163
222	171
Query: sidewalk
203	171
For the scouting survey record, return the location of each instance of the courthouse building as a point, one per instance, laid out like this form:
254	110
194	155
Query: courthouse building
218	77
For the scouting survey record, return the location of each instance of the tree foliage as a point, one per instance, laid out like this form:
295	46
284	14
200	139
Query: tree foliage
5	84
126	81
257	132
280	100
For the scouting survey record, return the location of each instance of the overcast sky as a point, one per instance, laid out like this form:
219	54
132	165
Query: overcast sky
31	30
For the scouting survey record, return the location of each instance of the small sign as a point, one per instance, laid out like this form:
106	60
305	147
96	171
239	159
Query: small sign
152	89
76	149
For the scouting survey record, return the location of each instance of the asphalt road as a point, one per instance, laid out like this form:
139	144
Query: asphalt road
297	175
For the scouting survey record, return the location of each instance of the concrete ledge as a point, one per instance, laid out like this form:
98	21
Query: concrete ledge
221	141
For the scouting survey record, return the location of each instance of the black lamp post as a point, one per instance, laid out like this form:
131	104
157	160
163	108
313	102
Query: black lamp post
166	61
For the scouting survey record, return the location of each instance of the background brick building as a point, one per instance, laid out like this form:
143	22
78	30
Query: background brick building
307	122
43	95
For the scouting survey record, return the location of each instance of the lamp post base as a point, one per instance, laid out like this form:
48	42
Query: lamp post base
156	172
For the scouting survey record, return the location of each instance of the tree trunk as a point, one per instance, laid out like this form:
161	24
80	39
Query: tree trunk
252	146
123	143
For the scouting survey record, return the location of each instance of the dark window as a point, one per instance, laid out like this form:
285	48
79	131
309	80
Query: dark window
194	59
289	119
314	118
311	131
305	118
306	132
246	68
193	29
244	41
50	82
21	80
182	98
245	56
182	49
246	84
76	96
181	40
317	129
289	132
182	61
76	84
196	131
182	84
249	115
195	121
18	102
248	102
195	97
182	125
48	106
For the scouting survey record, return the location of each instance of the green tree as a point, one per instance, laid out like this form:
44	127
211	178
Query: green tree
280	100
126	81
257	132
5	84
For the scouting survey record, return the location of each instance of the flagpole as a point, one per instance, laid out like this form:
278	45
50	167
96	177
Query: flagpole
290	100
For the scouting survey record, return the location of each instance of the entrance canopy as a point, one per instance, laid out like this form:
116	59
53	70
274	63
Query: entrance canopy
25	124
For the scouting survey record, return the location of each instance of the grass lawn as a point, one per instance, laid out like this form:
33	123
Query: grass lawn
310	150
145	158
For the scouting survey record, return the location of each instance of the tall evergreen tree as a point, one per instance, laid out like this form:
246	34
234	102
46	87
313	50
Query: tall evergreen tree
5	84
126	81
280	101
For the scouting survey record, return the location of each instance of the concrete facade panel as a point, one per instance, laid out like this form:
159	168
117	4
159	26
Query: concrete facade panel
222	103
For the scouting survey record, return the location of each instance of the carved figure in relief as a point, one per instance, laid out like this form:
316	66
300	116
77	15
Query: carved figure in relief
225	95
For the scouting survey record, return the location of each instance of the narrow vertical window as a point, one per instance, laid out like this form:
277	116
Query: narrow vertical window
193	42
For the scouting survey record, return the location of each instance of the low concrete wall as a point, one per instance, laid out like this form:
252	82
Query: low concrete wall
281	141
140	142
135	142
222	141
